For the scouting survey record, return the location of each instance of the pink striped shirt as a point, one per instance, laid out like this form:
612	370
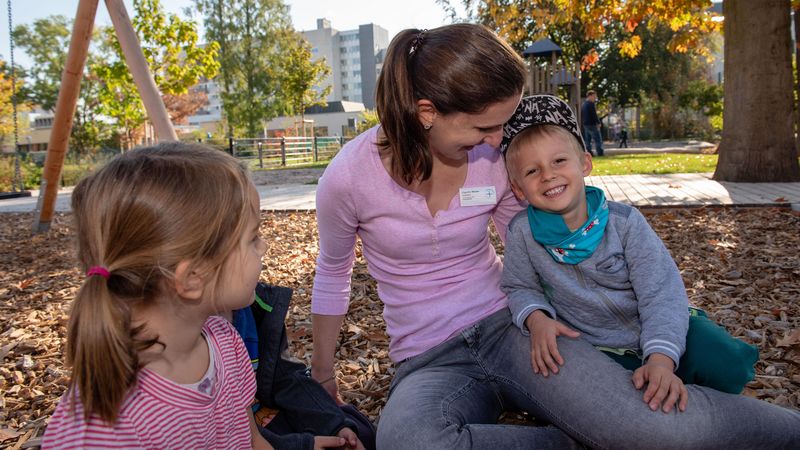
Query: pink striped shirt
436	274
161	414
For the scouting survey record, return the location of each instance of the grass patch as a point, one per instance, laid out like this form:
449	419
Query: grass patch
660	163
310	165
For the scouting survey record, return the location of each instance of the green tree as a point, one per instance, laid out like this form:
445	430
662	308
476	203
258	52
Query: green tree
369	119
45	42
174	56
89	129
254	36
301	78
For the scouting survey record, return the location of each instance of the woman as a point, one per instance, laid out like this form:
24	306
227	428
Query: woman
419	191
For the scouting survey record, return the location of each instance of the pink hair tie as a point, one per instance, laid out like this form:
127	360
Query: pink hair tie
98	270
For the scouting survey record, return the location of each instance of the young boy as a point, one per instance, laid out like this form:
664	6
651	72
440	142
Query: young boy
574	261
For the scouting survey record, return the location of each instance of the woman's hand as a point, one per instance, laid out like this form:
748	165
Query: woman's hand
327	379
662	383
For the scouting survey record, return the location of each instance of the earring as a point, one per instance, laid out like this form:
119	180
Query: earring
427	126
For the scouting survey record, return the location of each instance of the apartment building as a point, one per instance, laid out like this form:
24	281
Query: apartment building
355	58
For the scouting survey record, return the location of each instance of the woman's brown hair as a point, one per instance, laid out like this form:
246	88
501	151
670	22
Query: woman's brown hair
459	68
138	217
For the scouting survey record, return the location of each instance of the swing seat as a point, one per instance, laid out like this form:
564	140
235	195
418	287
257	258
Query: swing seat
6	195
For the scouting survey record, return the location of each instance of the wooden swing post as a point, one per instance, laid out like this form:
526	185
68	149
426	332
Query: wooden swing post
65	111
70	89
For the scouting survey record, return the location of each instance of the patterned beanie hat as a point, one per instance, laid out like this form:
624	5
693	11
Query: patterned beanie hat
540	110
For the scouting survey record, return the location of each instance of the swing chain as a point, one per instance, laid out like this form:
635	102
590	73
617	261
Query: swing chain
18	184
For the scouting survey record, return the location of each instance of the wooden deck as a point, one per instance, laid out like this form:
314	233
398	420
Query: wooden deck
693	189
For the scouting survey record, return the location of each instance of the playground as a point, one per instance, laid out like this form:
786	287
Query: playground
739	264
728	215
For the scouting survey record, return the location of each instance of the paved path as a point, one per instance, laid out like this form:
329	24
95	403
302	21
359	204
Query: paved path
638	190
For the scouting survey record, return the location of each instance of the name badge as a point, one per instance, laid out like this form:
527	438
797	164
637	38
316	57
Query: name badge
477	196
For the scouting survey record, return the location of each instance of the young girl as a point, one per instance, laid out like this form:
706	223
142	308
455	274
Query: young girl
168	237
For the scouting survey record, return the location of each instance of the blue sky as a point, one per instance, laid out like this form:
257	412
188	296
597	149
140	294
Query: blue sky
392	15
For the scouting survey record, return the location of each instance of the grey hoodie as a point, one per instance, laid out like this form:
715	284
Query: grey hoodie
628	294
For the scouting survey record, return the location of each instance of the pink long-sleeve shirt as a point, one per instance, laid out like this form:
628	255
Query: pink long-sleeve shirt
436	274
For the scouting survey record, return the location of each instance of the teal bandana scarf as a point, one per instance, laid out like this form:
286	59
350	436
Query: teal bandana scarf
566	246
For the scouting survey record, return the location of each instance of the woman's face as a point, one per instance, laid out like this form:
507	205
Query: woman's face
453	135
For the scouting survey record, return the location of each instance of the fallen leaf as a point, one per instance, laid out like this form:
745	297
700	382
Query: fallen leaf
791	338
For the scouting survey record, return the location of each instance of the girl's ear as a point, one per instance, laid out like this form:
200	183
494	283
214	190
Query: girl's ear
426	112
189	283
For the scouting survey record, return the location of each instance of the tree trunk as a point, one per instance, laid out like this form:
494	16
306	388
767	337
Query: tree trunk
757	137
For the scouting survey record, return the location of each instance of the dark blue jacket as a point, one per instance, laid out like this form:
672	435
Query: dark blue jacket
305	408
589	114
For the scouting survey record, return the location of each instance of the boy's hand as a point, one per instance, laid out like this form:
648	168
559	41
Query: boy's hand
544	350
323	442
351	438
662	383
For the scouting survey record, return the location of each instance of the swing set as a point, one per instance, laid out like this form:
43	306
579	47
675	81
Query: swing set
70	89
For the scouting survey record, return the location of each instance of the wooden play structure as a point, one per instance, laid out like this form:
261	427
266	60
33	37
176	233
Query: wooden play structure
70	88
548	73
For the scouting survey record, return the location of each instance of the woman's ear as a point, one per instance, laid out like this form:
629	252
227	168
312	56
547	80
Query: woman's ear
426	113
189	283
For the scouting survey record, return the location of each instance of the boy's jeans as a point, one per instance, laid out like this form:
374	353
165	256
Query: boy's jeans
451	396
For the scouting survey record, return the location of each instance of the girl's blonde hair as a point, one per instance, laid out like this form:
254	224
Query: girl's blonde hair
138	217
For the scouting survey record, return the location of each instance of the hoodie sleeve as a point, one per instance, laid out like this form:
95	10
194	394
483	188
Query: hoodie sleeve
520	281
659	289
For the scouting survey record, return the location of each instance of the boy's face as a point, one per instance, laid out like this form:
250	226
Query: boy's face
548	172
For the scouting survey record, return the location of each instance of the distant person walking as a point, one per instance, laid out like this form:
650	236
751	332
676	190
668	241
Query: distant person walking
623	137
591	124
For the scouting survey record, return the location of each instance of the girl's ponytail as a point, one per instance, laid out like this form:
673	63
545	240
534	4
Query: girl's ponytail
100	350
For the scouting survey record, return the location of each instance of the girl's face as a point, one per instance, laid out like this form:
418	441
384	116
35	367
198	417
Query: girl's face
453	135
242	268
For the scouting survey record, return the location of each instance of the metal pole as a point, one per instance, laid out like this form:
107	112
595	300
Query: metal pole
137	64
65	111
230	145
316	150
283	151
260	156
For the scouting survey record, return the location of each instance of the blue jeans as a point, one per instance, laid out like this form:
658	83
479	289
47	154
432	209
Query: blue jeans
592	133
451	396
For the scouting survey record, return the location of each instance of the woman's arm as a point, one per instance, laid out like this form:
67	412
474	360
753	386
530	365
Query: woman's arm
326	330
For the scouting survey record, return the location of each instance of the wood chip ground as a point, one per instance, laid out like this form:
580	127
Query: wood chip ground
741	265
